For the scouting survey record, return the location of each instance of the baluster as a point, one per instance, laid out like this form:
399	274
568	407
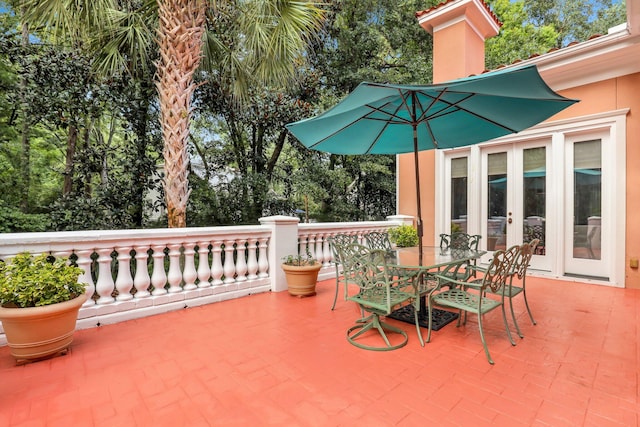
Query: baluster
311	245
252	262
241	261
302	244
124	282
216	263
229	268
318	248
189	274
158	276
141	281
263	259
175	275
327	252
204	269
84	262
104	285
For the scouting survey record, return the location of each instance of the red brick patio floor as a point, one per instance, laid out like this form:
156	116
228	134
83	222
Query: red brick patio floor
272	359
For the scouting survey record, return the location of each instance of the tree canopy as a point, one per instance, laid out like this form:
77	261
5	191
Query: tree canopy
82	143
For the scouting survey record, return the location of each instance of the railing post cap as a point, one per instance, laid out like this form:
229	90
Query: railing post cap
279	219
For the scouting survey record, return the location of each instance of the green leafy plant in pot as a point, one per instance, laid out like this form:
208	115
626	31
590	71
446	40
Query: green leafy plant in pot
301	272
403	236
39	302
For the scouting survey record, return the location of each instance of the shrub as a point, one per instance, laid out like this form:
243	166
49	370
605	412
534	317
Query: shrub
403	236
28	281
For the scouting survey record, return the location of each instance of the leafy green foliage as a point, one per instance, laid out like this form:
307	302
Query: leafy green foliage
299	260
404	236
94	132
28	281
576	20
12	220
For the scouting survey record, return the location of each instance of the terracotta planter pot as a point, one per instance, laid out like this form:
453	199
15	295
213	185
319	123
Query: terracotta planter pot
37	332
302	279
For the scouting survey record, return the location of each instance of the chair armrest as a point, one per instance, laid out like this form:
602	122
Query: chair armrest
448	281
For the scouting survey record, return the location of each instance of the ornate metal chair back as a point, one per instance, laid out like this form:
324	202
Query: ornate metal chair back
378	240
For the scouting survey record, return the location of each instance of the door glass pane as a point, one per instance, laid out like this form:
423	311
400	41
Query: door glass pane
587	199
497	201
459	195
534	195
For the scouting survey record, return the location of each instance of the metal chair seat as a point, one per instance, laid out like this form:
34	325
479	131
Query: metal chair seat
463	300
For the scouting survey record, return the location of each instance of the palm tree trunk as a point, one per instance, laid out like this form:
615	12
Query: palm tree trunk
180	36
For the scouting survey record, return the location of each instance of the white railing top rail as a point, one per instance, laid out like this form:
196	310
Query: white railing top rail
12	243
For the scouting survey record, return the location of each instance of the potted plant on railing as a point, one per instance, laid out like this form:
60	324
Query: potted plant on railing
39	302
301	272
403	236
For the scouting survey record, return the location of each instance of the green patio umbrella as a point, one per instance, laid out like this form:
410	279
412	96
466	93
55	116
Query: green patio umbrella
392	119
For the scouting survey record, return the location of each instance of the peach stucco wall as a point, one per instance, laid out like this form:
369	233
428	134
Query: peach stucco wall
407	204
459	51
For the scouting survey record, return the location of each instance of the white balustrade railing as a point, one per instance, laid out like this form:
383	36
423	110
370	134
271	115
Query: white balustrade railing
314	238
136	273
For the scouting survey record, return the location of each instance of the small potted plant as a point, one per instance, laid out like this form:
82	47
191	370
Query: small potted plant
39	302
403	236
301	272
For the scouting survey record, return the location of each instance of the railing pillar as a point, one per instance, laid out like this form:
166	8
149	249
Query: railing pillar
284	241
404	219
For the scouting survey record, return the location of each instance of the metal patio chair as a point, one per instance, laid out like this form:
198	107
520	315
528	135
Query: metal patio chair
461	297
519	269
337	244
380	292
378	240
461	241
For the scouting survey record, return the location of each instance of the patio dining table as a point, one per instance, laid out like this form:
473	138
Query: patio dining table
433	260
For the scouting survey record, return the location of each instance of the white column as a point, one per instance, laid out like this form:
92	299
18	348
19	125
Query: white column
328	256
175	275
229	268
189	275
141	281
204	269
84	262
124	282
263	258
158	276
216	263
283	242
252	261
104	285
241	262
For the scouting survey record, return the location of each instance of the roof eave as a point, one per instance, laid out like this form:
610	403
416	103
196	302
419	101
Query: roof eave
609	56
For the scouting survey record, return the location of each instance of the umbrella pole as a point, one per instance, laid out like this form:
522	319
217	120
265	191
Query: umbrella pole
419	211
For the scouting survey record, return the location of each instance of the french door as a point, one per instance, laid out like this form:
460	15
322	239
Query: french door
586	207
515	198
562	183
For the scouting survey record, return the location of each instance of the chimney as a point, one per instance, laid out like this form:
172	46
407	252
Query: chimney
459	29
